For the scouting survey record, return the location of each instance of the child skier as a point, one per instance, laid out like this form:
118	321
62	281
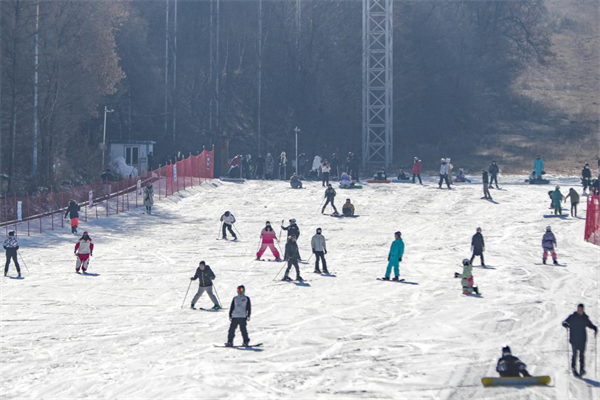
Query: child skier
467	278
348	209
319	250
83	250
330	196
477	246
557	199
268	239
11	245
549	245
574	201
228	220
292	255
239	315
395	257
416	171
510	366
205	275
73	212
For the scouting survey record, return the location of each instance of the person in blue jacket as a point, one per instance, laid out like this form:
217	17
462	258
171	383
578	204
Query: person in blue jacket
538	166
394	257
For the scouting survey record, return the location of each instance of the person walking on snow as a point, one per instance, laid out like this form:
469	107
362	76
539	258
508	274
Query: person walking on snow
574	201
549	245
11	245
73	213
586	177
319	249
538	167
467	281
268	238
395	257
416	170
282	166
260	167
330	196
316	165
510	366
148	197
576	323
228	220
348	209
240	311
84	249
292	256
269	166
205	275
302	164
477	247
325	169
444	174
493	170
484	180
450	167
557	199
292	229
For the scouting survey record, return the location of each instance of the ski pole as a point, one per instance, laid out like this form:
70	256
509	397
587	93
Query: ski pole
24	263
186	293
282	267
238	232
217	294
280	229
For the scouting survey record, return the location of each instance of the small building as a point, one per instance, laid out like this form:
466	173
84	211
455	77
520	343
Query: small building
135	153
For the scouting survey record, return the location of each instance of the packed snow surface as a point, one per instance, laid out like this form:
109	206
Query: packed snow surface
123	333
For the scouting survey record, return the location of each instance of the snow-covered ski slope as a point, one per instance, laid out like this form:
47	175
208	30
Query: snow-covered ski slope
123	333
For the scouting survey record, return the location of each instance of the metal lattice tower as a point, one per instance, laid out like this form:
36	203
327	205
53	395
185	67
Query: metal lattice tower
378	89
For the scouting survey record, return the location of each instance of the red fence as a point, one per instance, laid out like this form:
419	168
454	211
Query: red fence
45	211
592	220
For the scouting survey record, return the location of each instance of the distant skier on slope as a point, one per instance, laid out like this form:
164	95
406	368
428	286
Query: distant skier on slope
510	366
395	257
269	166
574	201
348	209
549	245
330	196
557	199
577	323
148	197
444	168
292	256
83	250
416	170
484	180
228	220
268	238
326	170
260	167
477	246
467	280
282	166
335	163
292	229
11	245
73	213
493	170
319	249
586	177
240	311
205	276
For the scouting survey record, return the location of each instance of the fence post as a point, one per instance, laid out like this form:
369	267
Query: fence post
62	201
27	200
41	211
16	216
51	207
6	215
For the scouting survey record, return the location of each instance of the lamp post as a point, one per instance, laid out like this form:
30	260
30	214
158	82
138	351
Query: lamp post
106	110
296	129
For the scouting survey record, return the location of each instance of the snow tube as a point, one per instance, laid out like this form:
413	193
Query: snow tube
351	187
376	181
401	180
228	179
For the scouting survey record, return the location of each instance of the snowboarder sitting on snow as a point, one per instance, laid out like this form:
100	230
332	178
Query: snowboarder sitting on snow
538	167
576	323
295	182
330	196
402	176
532	176
205	275
477	246
574	201
11	245
292	229
228	220
557	199
83	250
510	366
395	257
467	278
292	255
319	250
348	209
380	176
268	239
239	315
73	213
549	244
460	177
345	181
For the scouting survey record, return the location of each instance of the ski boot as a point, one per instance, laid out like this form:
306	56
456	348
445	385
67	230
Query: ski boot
476	289
228	344
257	258
287	279
224	238
582	371
325	271
216	307
575	373
317	271
555	261
543	260
193	306
234	238
385	278
395	278
245	344
278	259
299	278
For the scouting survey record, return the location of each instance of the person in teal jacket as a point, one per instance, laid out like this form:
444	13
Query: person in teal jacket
557	198
538	166
394	258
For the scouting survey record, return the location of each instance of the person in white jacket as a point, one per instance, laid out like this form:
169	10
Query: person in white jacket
228	220
444	174
319	250
326	169
316	165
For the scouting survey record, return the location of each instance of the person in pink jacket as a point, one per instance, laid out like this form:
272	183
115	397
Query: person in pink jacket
268	240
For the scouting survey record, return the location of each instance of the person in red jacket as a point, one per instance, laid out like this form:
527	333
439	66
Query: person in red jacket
417	165
83	250
268	240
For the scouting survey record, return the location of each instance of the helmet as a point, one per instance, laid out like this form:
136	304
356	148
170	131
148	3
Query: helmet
398	233
227	213
347	200
268	222
293	220
557	187
241	288
11	233
466	261
548	228
506	350
318	230
85	233
478	229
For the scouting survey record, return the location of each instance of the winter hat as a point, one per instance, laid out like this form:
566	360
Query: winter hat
11	233
416	159
478	229
466	261
506	350
85	233
268	223
318	230
241	288
293	220
548	228
398	233
443	160
227	213
557	187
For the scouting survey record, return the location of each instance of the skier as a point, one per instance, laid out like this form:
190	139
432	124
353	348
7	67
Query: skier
325	169
282	166
493	170
335	163
268	241
239	315
205	275
319	250
444	173
380	175
316	165
260	167
292	255
73	213
538	167
574	201
269	166
301	164
330	196
484	179
348	209
395	257
228	220
11	245
83	250
234	167
477	246
292	229
416	170
295	182
510	366
467	278
345	181
557	199
148	197
549	245
586	177
576	323
352	162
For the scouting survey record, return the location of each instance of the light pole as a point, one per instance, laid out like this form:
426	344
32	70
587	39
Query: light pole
296	129
106	110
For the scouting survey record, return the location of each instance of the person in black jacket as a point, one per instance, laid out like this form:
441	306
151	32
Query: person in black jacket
260	167
11	245
586	177
510	366
486	191
478	246
292	255
493	170
576	323
335	163
330	196
292	229
205	276
73	213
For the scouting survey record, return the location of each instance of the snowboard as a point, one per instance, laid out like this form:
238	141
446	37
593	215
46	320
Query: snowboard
517	381
384	280
552	264
556	216
351	187
344	216
239	346
210	309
